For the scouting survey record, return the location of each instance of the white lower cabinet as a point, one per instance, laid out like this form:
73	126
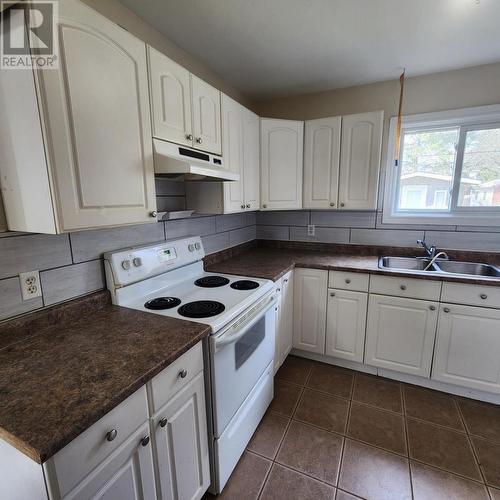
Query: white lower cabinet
284	319
467	349
127	474
309	309
345	324
181	444
400	334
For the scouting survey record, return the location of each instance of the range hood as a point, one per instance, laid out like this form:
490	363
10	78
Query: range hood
174	161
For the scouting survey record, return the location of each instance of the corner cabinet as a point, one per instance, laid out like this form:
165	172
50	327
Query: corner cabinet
91	164
282	144
284	319
309	309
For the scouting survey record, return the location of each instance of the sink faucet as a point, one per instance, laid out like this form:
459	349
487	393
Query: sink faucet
431	250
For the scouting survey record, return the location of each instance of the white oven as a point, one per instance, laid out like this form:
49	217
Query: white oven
242	382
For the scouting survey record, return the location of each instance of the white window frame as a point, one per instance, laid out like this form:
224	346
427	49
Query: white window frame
467	119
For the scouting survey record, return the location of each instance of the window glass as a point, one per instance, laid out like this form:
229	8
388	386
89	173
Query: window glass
427	167
480	179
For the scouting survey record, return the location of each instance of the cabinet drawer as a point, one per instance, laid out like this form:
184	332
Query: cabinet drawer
90	448
348	281
405	287
474	295
171	379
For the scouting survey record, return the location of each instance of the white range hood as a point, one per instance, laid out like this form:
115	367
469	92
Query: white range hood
176	161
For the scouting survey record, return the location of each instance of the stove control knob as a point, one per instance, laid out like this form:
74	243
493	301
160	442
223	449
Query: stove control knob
126	265
197	246
137	262
191	247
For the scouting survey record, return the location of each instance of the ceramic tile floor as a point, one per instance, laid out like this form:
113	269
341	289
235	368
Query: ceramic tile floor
339	434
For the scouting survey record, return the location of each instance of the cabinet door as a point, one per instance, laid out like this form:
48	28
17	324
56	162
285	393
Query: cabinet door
286	316
467	349
281	164
206	116
251	160
127	474
97	121
360	160
170	99
346	324
321	162
182	444
309	309
400	334
232	151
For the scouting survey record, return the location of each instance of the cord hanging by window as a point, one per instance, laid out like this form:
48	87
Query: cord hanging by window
400	110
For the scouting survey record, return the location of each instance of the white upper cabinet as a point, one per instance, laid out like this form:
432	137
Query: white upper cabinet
96	130
232	142
467	349
281	164
206	116
251	160
321	162
360	160
170	86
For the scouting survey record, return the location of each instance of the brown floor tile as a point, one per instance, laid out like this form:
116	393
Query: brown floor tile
295	370
442	448
268	436
331	379
432	406
488	455
429	483
285	397
495	494
322	410
481	419
378	392
286	484
375	474
247	479
377	427
343	495
313	451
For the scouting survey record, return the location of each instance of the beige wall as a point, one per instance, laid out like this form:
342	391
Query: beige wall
121	15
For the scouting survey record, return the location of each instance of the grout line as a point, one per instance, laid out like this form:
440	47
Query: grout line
403	404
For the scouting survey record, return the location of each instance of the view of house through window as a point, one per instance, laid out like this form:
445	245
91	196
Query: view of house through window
443	168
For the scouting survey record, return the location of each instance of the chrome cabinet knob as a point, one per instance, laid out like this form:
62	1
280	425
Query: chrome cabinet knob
248	205
264	206
432	308
332	294
163	422
403	287
446	309
199	140
483	296
145	441
153	214
286	280
111	435
183	373
342	204
347	280
332	204
242	206
189	137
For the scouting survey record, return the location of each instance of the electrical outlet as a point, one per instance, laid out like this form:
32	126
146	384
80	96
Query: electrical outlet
30	285
311	229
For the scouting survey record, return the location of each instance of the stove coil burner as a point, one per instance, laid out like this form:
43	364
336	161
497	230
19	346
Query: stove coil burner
162	303
244	285
201	309
211	281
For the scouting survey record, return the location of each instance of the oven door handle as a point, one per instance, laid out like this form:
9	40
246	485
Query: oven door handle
228	338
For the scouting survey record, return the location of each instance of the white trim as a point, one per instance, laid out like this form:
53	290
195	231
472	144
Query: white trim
466	118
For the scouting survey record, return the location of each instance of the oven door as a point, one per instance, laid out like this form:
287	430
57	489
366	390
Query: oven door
239	356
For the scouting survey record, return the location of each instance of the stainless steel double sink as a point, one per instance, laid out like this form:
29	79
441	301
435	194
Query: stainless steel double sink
420	265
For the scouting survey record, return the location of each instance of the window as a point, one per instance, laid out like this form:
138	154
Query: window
449	169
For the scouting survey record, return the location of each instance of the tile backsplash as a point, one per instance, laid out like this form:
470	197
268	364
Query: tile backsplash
71	265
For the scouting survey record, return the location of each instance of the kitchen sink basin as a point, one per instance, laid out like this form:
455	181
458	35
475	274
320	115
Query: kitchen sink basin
419	264
469	268
406	263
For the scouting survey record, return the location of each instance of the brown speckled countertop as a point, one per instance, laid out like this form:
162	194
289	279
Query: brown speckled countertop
63	369
272	263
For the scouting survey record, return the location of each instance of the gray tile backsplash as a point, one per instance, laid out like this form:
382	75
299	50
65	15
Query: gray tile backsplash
273	232
386	237
343	219
321	234
71	265
283	218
